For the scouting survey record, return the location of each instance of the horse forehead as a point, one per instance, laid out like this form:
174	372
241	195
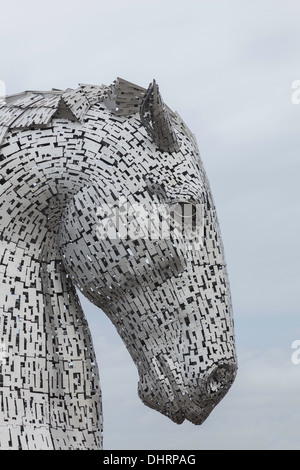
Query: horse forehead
125	138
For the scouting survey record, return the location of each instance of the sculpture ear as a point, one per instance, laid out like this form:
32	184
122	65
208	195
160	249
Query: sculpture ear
124	98
155	117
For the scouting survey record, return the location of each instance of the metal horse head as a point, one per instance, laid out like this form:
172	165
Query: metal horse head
104	189
168	296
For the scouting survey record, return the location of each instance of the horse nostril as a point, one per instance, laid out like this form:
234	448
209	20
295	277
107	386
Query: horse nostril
213	384
220	379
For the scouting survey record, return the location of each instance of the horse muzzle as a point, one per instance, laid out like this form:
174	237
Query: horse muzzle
191	401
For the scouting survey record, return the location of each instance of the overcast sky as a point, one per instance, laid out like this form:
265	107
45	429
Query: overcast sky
227	67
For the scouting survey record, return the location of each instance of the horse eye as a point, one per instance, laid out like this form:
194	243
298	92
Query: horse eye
185	213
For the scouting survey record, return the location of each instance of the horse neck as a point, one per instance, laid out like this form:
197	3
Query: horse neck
43	328
42	169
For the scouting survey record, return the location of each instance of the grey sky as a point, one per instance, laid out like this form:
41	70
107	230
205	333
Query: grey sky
227	67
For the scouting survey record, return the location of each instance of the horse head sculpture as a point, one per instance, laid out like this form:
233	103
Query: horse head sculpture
105	190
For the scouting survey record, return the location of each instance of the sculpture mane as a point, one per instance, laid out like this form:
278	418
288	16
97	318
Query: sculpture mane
37	109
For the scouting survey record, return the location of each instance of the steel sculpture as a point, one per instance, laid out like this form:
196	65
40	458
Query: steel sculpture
103	189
